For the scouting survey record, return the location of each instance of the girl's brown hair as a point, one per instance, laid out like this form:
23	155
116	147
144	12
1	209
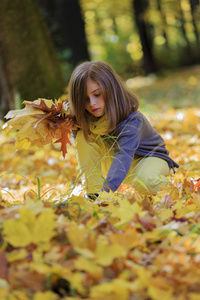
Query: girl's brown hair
119	100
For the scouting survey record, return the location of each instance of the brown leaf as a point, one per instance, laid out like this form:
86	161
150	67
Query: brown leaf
64	140
147	222
167	201
3	266
42	105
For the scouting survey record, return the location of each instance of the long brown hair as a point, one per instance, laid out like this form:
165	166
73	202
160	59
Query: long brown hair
119	100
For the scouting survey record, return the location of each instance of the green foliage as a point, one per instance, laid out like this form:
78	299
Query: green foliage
113	37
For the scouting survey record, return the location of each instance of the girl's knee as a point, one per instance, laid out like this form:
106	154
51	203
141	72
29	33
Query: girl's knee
155	181
150	184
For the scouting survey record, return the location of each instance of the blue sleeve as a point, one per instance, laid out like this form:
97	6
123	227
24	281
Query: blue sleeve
128	140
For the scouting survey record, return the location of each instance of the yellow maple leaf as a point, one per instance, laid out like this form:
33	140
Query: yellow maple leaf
193	296
165	214
31	134
127	239
44	228
76	280
89	266
23	112
45	296
158	289
105	253
16	233
18	123
4	294
125	212
20	295
16	255
27	216
24	144
114	290
80	237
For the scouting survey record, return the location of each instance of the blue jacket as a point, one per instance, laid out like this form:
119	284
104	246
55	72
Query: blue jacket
134	137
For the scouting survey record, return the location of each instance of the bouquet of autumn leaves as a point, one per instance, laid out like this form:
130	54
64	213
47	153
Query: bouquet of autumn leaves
41	122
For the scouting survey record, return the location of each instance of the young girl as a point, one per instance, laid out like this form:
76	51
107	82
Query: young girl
114	141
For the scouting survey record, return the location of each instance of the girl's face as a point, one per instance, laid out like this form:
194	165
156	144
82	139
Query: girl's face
95	103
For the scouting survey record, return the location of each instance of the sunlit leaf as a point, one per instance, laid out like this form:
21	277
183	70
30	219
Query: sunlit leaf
45	296
17	233
38	124
106	253
44	228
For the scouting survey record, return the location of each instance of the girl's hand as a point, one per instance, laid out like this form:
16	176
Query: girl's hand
69	123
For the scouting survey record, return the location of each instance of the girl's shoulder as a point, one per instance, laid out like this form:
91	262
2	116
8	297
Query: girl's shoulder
134	120
133	117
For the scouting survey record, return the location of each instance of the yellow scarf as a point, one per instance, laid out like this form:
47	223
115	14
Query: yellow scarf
99	127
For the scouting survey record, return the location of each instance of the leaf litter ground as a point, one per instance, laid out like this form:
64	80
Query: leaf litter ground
55	245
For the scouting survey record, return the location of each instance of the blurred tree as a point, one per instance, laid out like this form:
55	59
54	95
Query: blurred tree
194	4
28	62
111	34
7	86
145	33
180	18
163	21
66	24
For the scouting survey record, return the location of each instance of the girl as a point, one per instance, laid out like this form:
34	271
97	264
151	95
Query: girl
114	141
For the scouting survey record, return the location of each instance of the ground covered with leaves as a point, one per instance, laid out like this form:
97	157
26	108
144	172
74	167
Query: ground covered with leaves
55	244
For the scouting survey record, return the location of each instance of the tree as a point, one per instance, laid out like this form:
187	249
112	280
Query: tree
66	24
193	5
145	33
28	61
183	28
163	21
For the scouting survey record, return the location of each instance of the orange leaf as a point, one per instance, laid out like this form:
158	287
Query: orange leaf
4	266
64	140
197	184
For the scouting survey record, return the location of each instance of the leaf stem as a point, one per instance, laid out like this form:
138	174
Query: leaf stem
39	188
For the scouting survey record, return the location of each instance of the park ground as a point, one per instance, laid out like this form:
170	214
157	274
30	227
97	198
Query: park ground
56	244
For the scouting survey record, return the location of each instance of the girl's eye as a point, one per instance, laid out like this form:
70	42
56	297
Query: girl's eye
97	95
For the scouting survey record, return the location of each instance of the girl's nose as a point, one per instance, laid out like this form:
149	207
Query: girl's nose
92	101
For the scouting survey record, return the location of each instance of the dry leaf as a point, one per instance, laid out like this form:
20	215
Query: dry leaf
38	124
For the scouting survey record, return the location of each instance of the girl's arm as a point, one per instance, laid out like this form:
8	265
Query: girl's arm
127	142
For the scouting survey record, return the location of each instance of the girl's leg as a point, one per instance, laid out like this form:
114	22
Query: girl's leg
89	160
148	174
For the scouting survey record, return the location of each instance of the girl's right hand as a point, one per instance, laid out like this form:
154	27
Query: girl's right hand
69	123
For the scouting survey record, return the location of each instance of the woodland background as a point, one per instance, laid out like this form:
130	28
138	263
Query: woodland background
42	41
56	244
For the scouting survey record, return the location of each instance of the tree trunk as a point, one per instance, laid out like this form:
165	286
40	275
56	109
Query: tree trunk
144	29
163	20
182	22
193	5
68	30
28	61
73	29
6	85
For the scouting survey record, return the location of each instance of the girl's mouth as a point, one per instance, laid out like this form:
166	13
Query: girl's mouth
96	109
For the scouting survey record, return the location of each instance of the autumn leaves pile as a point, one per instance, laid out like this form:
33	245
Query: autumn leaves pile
122	247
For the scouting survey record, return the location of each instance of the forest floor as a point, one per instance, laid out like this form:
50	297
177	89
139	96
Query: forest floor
56	244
